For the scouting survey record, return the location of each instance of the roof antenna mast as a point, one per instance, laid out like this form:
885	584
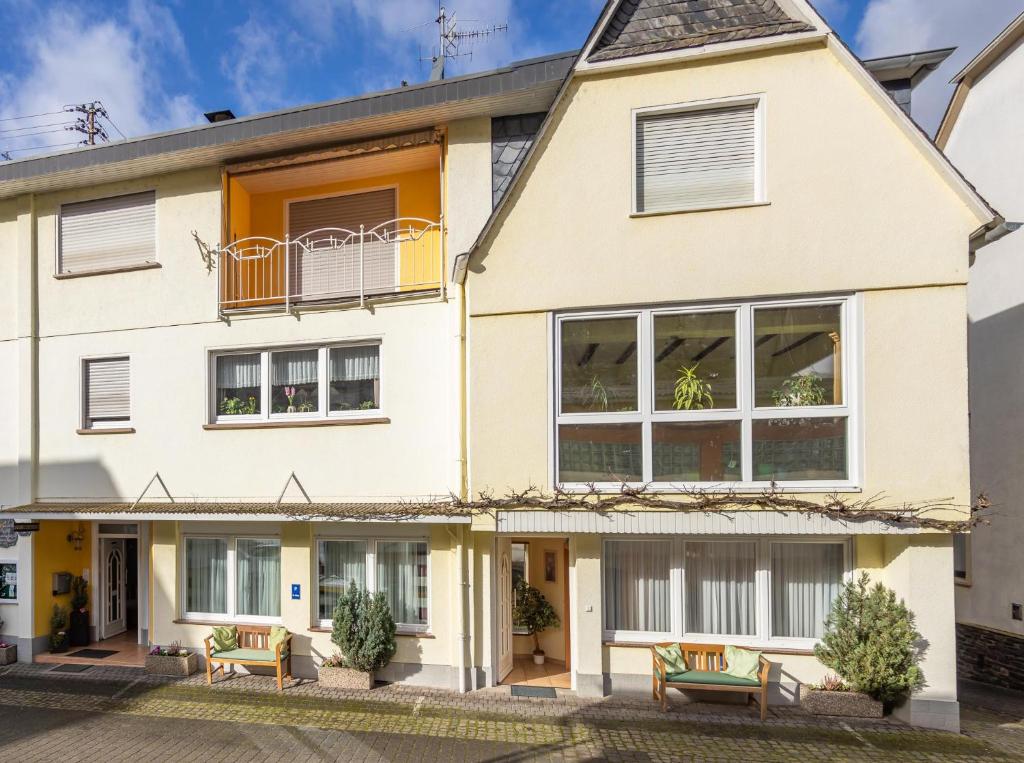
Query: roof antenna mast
450	41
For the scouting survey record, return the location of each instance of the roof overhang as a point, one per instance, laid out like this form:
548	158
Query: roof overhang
523	87
908	66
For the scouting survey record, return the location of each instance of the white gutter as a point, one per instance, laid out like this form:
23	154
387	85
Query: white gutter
991	234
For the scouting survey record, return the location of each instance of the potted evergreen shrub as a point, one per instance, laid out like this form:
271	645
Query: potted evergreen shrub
78	627
871	643
364	632
58	629
171	660
533	613
8	651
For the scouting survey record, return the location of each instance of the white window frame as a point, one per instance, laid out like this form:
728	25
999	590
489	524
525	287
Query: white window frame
371	576
83	393
762	637
746	413
758	100
323	373
232	594
966	580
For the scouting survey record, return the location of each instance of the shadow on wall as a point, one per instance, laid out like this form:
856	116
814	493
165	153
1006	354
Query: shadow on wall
59	481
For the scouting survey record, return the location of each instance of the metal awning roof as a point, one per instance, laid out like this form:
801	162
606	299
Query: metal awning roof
523	87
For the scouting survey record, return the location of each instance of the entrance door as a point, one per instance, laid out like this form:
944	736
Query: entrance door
504	559
114	568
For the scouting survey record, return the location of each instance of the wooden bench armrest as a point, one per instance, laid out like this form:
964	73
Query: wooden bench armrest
658	663
206	641
765	667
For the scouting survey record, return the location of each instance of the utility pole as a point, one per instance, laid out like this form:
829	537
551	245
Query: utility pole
86	122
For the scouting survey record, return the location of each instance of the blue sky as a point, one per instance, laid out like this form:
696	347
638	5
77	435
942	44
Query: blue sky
159	64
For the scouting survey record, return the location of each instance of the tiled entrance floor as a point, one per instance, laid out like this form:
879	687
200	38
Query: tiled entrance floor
525	673
128	653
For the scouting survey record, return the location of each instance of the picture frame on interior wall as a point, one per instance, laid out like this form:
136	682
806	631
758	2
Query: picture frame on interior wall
550	567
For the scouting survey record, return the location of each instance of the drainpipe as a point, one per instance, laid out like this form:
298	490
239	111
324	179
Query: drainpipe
461	604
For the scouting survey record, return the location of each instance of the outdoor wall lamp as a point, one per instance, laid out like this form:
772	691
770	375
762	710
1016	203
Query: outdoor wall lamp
76	537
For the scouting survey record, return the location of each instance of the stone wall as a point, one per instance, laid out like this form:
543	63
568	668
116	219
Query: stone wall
990	656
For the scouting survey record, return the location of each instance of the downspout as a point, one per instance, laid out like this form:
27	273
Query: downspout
460	601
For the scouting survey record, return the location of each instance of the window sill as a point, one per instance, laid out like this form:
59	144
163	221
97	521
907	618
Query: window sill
301	423
109	430
399	632
213	623
690	210
655	488
108	271
760	647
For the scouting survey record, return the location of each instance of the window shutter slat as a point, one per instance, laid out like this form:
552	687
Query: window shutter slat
107	390
696	158
108	233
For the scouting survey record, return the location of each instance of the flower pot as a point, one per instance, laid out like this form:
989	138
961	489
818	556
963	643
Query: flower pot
851	704
344	678
290	409
59	644
171	664
538	658
8	654
78	629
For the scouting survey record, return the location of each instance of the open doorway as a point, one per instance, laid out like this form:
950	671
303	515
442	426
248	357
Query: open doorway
542	564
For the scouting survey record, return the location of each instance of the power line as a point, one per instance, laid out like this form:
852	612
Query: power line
32	116
39	148
111	121
33	127
37	132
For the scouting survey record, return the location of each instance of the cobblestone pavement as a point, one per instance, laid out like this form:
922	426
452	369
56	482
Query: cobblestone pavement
118	714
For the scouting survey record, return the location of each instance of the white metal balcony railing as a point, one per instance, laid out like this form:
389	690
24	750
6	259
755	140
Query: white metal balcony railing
400	256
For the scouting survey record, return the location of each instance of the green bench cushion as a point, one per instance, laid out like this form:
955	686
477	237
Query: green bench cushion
261	655
710	677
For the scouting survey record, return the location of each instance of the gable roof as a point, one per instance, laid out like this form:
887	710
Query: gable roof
974	70
639	27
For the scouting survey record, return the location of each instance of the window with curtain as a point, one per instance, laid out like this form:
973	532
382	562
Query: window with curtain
239	382
340	563
806	578
636	584
720	588
660	397
755	591
355	378
256	564
402	576
320	382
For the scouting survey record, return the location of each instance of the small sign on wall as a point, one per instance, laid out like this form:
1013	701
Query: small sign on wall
8	581
296	591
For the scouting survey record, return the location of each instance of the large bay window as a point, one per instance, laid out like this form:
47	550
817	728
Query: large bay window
399	568
297	383
235	578
740	395
749	591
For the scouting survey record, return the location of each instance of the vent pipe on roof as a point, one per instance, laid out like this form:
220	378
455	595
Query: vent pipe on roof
224	115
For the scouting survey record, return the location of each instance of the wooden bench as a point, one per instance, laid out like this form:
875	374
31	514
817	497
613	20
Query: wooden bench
706	663
253	649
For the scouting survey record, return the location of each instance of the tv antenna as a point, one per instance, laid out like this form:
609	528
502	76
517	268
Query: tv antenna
451	40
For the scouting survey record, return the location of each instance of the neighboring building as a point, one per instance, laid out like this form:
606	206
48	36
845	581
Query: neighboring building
900	74
981	134
533	256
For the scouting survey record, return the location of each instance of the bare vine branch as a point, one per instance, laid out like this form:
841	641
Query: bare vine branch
206	252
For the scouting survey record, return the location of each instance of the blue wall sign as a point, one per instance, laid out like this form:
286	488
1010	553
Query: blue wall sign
296	591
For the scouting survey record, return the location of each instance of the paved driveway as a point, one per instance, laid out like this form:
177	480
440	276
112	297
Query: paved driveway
123	716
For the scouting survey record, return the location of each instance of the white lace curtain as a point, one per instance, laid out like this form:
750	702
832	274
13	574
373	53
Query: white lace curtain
355	363
806	577
401	575
720	587
341	562
206	574
294	367
238	371
258	571
636	576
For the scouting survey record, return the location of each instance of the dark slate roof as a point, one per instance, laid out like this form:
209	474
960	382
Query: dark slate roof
654	26
511	138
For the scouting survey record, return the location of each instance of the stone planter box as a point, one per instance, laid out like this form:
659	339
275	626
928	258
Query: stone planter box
850	704
171	665
8	654
344	678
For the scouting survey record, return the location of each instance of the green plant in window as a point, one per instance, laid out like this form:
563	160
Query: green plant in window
367	405
805	389
597	395
233	406
692	392
306	407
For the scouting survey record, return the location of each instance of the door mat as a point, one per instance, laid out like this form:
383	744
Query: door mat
93	654
70	667
534	691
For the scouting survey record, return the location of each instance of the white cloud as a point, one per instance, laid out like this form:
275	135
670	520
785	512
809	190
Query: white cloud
255	66
890	27
70	57
832	10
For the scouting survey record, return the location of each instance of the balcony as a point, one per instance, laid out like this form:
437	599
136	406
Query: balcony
397	258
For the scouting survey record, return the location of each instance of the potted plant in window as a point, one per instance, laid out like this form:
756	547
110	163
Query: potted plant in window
364	632
289	392
78	627
804	389
692	392
58	632
871	642
533	613
8	651
171	660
